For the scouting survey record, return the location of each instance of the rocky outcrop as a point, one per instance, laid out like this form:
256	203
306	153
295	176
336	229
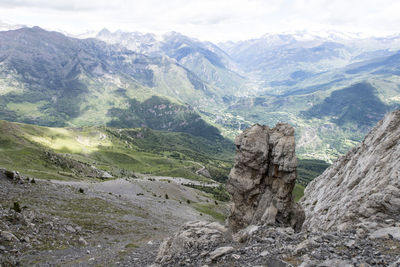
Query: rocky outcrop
13	175
197	235
361	190
74	167
263	177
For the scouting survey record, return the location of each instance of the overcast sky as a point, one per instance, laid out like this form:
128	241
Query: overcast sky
214	20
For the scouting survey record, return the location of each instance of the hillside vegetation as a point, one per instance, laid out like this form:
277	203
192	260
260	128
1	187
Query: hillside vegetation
104	152
62	153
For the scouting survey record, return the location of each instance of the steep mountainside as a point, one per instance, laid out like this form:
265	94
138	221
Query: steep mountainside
49	79
357	105
206	60
361	189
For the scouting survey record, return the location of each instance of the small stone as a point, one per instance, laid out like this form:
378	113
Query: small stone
82	241
70	229
264	253
360	233
350	243
306	244
220	252
245	233
8	236
236	256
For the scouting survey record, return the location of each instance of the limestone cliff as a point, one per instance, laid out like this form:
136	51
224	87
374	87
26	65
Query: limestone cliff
361	190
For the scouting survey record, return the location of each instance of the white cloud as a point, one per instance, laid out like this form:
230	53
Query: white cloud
213	20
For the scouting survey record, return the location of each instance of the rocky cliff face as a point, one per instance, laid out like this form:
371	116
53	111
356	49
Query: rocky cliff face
361	190
263	177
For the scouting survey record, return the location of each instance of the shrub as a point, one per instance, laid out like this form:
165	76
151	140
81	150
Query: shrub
17	207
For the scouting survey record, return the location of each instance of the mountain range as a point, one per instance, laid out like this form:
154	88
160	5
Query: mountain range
331	87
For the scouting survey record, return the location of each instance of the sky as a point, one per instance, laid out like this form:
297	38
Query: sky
212	20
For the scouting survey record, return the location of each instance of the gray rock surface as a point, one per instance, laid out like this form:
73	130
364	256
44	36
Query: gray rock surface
220	252
12	175
262	179
389	232
277	246
361	190
197	235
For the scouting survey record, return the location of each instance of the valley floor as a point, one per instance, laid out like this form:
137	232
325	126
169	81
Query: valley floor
86	223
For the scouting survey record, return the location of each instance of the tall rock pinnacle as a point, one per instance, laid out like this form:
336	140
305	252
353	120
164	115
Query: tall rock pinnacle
263	177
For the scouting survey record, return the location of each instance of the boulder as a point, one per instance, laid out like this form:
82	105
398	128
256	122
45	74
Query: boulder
389	232
360	190
221	251
12	175
263	177
197	235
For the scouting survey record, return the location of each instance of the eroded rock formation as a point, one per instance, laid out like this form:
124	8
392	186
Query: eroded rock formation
197	235
263	177
361	190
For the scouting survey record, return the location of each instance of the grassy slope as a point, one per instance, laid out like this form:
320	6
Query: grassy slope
23	147
121	152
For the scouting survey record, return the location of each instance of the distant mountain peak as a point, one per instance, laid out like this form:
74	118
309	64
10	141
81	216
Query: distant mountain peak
104	31
305	35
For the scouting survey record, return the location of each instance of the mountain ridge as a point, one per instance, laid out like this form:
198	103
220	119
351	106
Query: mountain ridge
65	80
